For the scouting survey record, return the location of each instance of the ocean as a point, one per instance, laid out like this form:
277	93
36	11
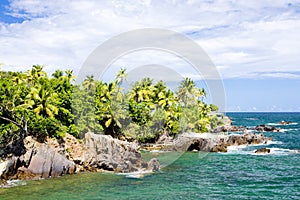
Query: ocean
237	174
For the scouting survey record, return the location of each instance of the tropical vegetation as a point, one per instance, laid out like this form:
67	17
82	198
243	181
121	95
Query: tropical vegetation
33	103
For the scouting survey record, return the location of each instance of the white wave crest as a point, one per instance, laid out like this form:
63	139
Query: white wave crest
280	124
289	129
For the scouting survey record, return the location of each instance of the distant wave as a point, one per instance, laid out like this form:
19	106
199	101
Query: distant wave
135	175
252	119
240	149
274	142
236	147
289	129
279	124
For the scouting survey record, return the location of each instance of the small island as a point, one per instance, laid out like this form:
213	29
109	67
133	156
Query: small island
50	126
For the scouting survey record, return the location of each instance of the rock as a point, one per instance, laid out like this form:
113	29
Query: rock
74	150
229	128
215	142
164	139
196	141
265	128
153	165
263	150
3	166
105	152
285	123
55	158
39	161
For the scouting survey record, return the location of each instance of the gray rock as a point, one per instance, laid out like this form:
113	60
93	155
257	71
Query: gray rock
153	165
215	142
105	152
39	161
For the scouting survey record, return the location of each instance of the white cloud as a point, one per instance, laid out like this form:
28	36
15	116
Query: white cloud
242	37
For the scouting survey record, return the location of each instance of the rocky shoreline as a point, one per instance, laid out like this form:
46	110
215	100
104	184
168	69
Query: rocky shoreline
208	142
29	159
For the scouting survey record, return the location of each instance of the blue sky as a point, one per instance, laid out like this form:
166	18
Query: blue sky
255	45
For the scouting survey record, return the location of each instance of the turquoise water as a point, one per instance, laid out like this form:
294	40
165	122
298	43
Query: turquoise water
238	174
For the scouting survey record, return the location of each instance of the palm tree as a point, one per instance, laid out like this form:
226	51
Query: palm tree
186	89
43	101
58	74
121	76
188	93
89	84
34	75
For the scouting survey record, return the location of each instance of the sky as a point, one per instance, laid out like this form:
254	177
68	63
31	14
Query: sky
254	45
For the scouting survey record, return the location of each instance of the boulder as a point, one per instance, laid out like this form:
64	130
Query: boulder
164	139
39	161
153	165
263	150
55	158
105	152
265	128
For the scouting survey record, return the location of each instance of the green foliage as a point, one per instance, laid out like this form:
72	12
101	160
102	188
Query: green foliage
31	103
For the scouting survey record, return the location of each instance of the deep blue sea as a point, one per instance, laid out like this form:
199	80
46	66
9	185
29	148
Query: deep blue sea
238	174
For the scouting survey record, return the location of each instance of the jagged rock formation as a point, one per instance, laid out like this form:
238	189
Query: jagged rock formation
259	128
105	152
55	158
40	160
265	128
215	142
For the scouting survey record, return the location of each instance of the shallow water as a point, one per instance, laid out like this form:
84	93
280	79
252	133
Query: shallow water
238	174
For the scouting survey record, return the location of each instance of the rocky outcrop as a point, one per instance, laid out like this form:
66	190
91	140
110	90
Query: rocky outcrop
153	165
55	158
259	128
215	142
229	128
39	161
105	152
265	128
263	151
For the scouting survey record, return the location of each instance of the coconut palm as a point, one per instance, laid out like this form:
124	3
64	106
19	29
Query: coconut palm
43	101
89	84
121	76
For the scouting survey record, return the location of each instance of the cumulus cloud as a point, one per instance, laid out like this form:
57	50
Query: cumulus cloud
241	37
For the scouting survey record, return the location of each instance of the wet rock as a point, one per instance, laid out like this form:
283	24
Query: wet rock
265	128
153	165
263	150
285	123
